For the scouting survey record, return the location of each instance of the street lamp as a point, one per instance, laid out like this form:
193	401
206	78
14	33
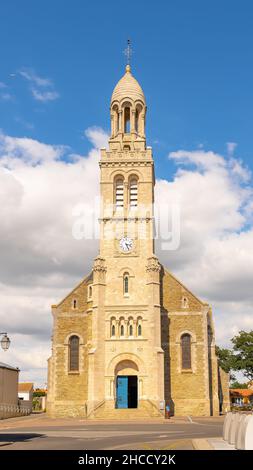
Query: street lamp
5	341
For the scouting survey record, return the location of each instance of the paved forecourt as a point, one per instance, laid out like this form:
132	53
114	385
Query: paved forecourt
41	432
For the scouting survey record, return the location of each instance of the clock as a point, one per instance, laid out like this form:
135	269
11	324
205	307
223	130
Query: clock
126	244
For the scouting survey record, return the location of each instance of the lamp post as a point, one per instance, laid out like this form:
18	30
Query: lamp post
5	341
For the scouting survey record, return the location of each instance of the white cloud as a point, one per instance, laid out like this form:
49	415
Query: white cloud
42	89
6	97
202	160
40	261
23	150
231	146
215	256
44	95
97	136
31	76
24	123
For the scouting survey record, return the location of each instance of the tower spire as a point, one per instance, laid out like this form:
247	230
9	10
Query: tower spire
128	53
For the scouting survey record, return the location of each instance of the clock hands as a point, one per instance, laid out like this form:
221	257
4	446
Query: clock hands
126	244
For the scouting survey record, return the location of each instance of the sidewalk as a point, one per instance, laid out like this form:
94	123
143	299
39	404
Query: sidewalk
212	443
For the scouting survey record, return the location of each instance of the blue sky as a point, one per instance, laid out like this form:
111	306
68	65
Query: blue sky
192	58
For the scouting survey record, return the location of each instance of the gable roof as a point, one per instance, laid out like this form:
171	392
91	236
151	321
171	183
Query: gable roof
85	280
185	288
25	386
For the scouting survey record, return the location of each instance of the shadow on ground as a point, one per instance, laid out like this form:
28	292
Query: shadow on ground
18	437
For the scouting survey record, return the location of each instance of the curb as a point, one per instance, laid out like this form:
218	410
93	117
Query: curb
201	444
5	443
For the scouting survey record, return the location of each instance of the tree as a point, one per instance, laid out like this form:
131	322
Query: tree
225	359
243	357
236	384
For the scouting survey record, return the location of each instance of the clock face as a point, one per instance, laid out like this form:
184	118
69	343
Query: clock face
126	244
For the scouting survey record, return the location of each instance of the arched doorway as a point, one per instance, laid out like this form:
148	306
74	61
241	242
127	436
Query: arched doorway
126	375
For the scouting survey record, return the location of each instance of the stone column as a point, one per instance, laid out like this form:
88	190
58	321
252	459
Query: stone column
153	281
96	352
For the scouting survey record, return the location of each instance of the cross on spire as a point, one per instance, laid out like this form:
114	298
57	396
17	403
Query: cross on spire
128	52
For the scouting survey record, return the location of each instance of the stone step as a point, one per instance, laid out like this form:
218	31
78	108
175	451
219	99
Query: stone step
144	411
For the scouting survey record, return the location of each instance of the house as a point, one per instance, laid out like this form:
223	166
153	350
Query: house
25	393
250	384
241	396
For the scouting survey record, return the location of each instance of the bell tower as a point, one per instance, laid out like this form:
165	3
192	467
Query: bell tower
128	112
126	296
127	176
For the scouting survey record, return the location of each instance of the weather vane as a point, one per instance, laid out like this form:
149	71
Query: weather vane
128	52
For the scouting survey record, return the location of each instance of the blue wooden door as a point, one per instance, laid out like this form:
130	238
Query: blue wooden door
122	392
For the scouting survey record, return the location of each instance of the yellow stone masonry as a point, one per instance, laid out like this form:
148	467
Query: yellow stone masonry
131	339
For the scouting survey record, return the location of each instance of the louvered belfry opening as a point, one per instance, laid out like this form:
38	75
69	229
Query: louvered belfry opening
133	193
74	353
186	351
127	120
119	196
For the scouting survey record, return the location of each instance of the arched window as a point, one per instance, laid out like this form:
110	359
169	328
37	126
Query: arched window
139	330
119	193
133	196
74	353
115	119
126	284
137	120
122	330
127	120
185	302
130	327
74	303
113	327
186	351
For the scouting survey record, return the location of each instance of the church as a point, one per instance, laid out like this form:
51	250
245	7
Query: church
130	340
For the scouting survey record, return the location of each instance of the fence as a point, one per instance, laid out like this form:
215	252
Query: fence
11	411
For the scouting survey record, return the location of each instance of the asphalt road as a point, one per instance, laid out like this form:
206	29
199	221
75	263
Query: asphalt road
42	434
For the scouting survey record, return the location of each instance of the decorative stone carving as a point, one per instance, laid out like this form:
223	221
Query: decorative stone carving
153	264
99	265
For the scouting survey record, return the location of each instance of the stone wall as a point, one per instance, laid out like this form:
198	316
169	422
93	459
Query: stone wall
223	378
67	394
187	391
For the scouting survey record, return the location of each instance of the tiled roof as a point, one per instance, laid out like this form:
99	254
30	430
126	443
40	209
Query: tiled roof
25	386
243	392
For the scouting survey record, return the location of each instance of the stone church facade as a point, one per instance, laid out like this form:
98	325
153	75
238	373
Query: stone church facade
131	338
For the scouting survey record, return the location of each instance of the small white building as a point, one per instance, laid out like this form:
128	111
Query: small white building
25	394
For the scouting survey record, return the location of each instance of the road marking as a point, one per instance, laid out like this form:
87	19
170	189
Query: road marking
177	443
